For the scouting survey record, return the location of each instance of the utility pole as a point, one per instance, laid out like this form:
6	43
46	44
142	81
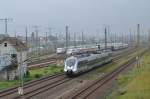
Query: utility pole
37	37
21	76
6	20
56	42
75	40
39	50
121	40
15	35
108	33
69	39
138	45
26	30
149	39
82	39
66	37
135	39
125	37
130	37
32	38
46	41
115	38
105	39
138	35
49	31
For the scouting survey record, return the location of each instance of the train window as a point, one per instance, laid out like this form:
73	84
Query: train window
82	63
70	62
95	61
13	55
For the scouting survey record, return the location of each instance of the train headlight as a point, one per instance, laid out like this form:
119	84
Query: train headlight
70	67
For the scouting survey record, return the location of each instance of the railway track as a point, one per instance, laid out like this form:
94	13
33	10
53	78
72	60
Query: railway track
35	87
41	65
34	93
44	62
43	89
86	92
41	61
116	57
13	92
57	56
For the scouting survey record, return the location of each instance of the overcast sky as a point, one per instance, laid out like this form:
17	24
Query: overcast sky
81	15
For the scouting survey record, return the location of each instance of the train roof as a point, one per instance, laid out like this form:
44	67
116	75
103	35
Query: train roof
82	56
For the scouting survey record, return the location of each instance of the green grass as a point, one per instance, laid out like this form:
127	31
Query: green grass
7	84
107	68
33	74
136	83
46	71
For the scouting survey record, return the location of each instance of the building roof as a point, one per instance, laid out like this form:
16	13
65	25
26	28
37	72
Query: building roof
2	36
16	43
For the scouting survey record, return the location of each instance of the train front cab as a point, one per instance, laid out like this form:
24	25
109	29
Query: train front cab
70	66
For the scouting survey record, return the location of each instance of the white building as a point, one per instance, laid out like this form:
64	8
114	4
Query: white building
12	53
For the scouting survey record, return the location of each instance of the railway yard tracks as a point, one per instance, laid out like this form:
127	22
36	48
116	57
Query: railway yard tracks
36	87
31	93
40	64
118	56
44	62
87	91
52	60
32	86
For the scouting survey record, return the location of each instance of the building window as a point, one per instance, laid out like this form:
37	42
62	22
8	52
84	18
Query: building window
13	55
5	44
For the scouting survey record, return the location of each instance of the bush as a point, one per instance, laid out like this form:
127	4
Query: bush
27	73
16	78
122	91
45	72
55	72
61	70
38	75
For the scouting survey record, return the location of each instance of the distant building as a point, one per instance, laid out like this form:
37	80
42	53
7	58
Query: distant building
12	51
2	36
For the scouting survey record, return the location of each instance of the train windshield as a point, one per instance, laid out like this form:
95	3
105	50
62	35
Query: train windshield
70	62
